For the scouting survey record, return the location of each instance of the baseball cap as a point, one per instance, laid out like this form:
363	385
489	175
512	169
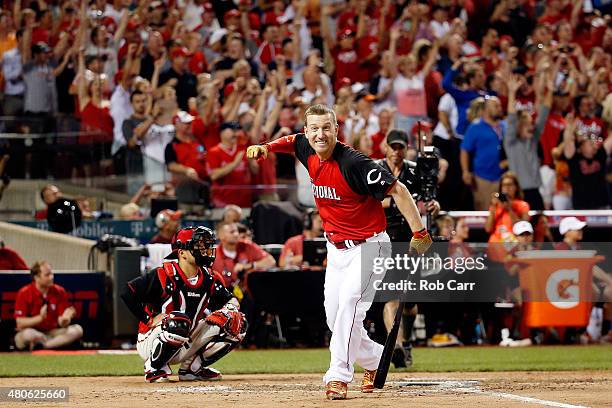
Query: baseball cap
229	125
522	227
164	216
233	13
179	52
208	6
347	32
397	136
365	95
425	126
40	47
571	224
183	235
183	117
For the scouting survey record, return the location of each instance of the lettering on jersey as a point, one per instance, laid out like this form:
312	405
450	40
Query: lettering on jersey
372	180
192	294
325	192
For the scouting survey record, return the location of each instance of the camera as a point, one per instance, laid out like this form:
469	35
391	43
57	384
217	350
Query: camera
503	197
427	172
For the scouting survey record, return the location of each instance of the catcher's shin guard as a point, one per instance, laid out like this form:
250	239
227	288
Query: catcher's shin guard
218	347
175	333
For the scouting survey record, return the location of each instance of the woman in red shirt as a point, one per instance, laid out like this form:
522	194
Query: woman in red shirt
96	121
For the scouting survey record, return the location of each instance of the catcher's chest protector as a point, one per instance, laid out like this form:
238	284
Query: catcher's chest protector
179	295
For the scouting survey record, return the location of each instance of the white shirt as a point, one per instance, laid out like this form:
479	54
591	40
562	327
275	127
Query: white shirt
120	110
155	141
354	125
192	15
12	71
438	29
447	104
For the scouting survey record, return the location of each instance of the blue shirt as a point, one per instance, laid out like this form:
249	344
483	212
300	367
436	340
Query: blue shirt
483	143
462	98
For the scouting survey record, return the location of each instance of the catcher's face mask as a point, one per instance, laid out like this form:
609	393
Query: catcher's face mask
199	241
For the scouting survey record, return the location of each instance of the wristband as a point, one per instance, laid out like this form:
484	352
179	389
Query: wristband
420	234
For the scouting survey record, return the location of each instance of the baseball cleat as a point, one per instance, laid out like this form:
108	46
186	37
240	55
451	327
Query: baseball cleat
367	384
399	357
336	390
408	353
203	374
157	376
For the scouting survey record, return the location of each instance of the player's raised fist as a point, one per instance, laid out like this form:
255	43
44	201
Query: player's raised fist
421	241
257	151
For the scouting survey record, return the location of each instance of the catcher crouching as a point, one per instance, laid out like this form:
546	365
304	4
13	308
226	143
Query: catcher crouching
186	314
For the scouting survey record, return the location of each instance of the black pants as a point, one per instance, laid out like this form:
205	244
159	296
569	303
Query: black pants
534	199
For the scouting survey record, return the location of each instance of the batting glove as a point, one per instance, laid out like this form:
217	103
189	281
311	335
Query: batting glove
421	241
229	319
257	151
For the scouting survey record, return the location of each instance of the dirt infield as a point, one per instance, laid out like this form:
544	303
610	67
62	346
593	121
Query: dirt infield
507	389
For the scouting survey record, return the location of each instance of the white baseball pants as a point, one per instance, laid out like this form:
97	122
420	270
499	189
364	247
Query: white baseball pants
346	304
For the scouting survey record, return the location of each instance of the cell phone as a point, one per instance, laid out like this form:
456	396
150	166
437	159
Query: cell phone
502	197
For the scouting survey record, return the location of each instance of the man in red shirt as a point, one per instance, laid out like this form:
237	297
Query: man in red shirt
344	51
43	313
10	260
229	170
293	250
348	188
236	257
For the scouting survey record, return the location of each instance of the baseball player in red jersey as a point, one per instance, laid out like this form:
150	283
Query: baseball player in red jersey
186	314
348	188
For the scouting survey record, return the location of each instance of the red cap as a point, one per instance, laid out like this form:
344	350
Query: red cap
132	25
424	126
233	13
208	6
345	81
179	52
506	37
347	32
183	235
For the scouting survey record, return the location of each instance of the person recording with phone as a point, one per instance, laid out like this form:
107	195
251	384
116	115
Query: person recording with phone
506	209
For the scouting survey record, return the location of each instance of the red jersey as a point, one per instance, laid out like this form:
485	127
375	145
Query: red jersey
347	65
348	188
11	261
246	253
190	154
377	139
555	123
267	52
30	300
365	47
235	187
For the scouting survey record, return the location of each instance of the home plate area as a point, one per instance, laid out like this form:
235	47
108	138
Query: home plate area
568	389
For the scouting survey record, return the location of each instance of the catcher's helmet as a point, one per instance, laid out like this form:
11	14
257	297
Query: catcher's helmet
200	241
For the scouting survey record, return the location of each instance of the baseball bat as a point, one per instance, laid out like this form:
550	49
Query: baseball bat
385	359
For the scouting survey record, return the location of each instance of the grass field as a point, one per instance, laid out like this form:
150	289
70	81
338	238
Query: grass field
469	359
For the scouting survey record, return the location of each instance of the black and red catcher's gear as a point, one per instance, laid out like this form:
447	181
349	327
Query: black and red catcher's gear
167	289
200	241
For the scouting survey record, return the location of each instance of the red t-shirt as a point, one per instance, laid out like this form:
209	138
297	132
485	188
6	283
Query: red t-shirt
376	141
11	261
347	65
366	46
198	63
293	246
555	123
30	300
246	253
97	120
235	187
267	52
190	154
206	135
348	188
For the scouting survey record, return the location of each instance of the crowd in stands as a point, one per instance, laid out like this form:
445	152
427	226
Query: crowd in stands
174	91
